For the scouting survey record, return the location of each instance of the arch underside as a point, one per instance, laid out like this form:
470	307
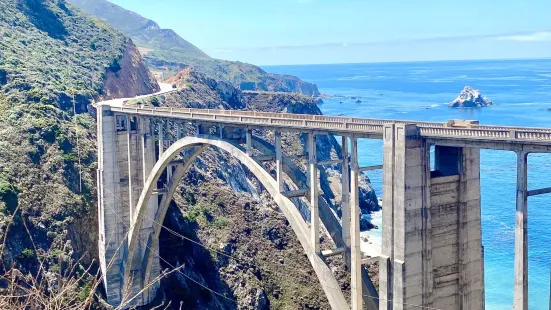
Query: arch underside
191	148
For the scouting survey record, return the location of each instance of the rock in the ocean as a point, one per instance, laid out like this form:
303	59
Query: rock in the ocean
470	98
358	101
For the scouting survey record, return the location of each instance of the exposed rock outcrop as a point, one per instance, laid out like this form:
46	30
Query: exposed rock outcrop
128	77
470	98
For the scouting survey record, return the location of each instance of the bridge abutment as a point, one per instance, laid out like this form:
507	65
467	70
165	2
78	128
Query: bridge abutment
126	155
432	250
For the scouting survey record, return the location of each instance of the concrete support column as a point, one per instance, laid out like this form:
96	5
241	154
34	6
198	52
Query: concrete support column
130	162
345	201
148	162
521	234
314	185
169	168
249	141
279	161
355	251
387	251
469	243
178	131
410	208
108	188
161	137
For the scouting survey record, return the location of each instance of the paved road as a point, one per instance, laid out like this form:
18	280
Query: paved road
119	102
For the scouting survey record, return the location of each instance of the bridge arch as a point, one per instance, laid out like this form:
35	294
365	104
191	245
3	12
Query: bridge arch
198	144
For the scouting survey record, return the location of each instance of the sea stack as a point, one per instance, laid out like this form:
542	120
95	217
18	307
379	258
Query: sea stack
470	98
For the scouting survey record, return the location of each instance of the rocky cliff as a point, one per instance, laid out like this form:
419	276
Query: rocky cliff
128	76
470	98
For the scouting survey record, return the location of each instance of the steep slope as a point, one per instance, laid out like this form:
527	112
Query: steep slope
145	32
165	51
51	53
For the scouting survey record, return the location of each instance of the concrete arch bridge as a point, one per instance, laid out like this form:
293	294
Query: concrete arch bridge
432	253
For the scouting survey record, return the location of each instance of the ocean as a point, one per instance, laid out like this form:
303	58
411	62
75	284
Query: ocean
521	92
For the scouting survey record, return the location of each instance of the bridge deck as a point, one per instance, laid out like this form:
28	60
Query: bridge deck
484	136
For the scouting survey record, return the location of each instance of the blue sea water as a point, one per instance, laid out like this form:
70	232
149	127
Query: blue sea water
521	91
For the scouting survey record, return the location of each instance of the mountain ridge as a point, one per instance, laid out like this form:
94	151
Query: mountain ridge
167	53
143	31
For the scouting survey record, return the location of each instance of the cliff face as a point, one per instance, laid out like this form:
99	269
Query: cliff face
128	77
222	206
276	83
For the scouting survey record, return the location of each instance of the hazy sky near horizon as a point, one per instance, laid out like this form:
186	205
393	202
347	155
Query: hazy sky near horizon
270	32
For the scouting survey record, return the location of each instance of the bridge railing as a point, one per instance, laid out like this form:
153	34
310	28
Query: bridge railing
336	123
261	118
488	132
339	119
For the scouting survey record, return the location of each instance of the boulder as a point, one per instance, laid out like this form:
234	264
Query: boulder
470	98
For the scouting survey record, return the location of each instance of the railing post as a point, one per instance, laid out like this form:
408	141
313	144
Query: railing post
355	253
314	211
521	234
279	161
345	201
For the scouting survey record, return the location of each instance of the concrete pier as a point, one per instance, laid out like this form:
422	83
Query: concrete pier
345	200
521	234
355	251
432	250
314	189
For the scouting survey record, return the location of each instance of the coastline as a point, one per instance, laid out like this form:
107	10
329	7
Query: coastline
371	240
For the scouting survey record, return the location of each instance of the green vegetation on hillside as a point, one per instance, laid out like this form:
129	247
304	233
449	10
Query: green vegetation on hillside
50	53
145	33
165	51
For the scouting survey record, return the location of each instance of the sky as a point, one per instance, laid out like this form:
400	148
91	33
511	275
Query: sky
285	32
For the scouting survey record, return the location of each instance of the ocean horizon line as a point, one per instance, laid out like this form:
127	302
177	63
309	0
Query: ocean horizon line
407	62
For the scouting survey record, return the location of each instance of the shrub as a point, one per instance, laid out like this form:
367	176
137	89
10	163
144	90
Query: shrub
155	101
27	255
221	222
114	66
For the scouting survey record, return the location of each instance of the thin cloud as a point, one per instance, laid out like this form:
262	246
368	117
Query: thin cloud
219	50
541	36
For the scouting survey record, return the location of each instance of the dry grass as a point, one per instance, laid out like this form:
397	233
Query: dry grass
59	283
